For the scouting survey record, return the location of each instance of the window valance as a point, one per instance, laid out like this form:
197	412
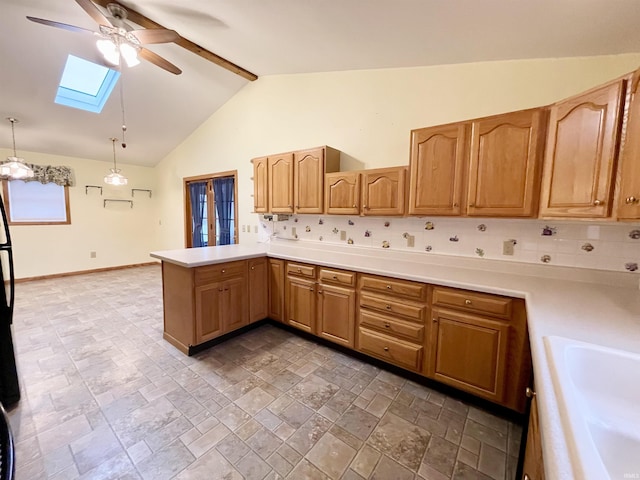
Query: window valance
58	174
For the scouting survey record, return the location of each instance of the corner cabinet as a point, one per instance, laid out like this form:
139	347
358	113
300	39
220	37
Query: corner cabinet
505	161
629	191
203	303
581	156
437	166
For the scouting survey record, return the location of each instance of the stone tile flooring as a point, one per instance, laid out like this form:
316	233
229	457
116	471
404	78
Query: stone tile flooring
104	397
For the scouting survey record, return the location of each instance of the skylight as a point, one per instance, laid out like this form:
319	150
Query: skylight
85	85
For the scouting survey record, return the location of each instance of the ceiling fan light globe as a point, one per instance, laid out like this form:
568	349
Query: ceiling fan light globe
109	50
130	54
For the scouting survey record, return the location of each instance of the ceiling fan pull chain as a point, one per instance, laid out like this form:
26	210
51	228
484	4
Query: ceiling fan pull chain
124	124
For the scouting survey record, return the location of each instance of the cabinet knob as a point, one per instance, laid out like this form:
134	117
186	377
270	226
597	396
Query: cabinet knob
366	208
598	202
253	268
311	289
386	349
220	289
224	271
335	277
388	287
388	307
472	205
631	200
455	204
526	477
299	270
435	320
319	291
467	302
386	325
354	206
226	289
529	392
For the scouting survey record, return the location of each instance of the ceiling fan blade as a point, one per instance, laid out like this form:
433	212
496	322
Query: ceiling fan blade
94	12
155	35
51	23
156	59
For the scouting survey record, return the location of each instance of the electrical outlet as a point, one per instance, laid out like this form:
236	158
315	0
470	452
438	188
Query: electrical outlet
92	254
255	229
507	247
343	234
293	232
411	241
244	228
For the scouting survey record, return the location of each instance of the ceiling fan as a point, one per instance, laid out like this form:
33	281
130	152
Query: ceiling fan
117	39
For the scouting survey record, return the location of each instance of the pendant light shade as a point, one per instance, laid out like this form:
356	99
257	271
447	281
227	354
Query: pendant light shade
15	168
115	178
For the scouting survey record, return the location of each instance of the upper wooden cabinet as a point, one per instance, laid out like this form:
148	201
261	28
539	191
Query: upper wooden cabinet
505	157
293	182
280	183
629	191
309	169
580	160
342	193
438	158
384	191
260	183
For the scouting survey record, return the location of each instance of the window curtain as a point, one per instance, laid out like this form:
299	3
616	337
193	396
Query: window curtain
223	189
197	195
58	174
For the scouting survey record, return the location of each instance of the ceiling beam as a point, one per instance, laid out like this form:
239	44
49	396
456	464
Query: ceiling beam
145	22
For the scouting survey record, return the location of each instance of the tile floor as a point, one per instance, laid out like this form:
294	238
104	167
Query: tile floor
104	397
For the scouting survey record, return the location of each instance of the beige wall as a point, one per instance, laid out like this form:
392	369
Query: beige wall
118	234
366	114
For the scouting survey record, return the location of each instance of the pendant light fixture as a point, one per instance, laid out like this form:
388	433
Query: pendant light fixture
15	168
115	178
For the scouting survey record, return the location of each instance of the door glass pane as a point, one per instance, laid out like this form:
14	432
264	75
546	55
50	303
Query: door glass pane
198	204
223	191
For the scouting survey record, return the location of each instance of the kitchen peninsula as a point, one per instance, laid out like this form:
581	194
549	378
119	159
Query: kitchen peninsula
596	307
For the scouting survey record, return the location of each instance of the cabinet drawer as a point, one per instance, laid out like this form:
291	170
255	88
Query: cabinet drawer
302	270
393	287
221	271
338	277
413	311
473	301
392	326
398	352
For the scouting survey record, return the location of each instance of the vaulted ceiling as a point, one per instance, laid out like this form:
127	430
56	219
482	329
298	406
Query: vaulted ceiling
270	37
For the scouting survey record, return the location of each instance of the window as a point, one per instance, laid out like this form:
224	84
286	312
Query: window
85	85
211	210
34	203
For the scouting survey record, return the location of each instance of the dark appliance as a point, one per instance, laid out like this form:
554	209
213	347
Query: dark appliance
9	388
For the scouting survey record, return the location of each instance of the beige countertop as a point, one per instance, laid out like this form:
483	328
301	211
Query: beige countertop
592	306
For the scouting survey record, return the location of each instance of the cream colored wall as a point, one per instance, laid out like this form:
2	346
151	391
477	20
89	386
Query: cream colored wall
118	234
366	114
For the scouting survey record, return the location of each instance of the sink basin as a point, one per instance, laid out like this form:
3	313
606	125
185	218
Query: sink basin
598	391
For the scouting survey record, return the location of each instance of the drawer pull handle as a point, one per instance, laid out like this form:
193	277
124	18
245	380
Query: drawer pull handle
630	200
388	287
386	349
386	325
335	277
299	270
529	392
388	307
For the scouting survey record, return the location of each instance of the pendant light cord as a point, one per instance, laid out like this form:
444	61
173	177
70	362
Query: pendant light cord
124	123
115	167
13	134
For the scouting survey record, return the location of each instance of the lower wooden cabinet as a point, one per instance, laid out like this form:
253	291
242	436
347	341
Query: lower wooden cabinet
469	352
533	467
404	354
337	314
235	302
258	289
209	314
276	289
301	303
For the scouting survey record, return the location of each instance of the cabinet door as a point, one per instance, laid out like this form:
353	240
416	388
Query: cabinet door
581	153
260	185
337	314
209	311
629	195
258	289
235	304
276	289
505	160
308	185
533	466
383	191
301	303
342	193
437	170
280	180
469	353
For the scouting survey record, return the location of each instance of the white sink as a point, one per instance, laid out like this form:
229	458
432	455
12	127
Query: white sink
598	391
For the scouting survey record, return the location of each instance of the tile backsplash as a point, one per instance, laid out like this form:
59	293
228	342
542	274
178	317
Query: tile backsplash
614	247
